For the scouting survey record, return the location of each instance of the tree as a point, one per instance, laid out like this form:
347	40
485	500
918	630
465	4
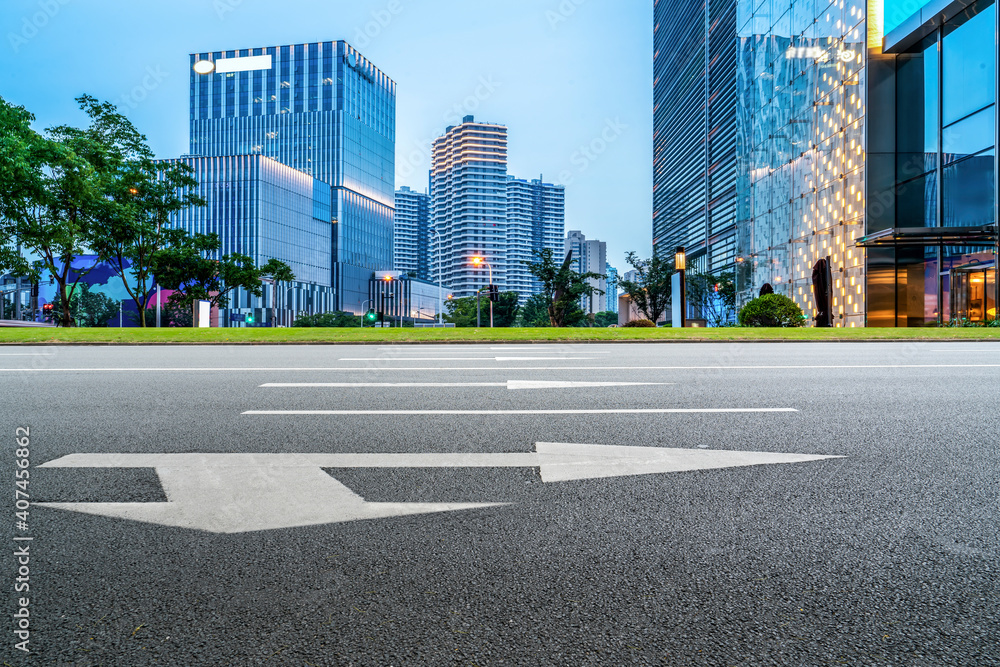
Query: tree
605	318
183	267
49	195
138	196
563	287
89	308
650	292
505	309
535	312
715	295
461	312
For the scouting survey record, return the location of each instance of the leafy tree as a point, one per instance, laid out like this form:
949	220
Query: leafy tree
89	308
563	287
138	196
49	197
535	312
650	292
461	312
505	310
715	296
183	267
335	319
605	318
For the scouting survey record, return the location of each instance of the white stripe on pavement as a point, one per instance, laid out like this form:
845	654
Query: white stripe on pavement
395	358
312	369
627	411
510	384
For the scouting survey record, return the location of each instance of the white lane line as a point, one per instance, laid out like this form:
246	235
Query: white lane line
542	349
995	349
325	369
627	411
394	358
27	354
509	384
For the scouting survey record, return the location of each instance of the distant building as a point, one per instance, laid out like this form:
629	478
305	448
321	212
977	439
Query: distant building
612	289
321	108
411	233
589	256
469	206
535	222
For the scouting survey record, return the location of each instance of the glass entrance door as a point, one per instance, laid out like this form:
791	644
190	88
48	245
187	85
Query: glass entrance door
973	296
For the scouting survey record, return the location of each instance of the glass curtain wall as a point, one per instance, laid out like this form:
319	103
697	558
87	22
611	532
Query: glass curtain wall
800	150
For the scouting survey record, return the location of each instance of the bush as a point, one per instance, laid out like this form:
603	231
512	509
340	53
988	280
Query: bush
640	323
772	310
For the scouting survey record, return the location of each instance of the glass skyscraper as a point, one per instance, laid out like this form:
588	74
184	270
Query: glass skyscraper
324	109
266	210
694	131
589	256
411	236
469	205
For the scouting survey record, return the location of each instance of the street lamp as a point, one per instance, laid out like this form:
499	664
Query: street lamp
476	261
440	284
680	263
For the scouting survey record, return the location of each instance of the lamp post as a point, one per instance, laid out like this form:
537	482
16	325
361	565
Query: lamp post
680	263
477	261
440	283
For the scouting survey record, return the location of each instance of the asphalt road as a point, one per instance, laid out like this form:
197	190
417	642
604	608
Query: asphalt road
886	555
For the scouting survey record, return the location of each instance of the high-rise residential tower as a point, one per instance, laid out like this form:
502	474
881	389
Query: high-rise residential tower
612	290
589	256
535	221
694	131
411	235
469	206
321	108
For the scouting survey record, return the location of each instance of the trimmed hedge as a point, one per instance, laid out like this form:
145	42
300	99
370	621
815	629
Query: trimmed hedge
640	323
772	310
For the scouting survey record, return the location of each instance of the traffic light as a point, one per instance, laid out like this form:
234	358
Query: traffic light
250	319
371	315
494	293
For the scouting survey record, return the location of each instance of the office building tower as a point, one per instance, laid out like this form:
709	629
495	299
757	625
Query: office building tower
469	206
611	297
589	256
535	221
411	233
265	210
321	108
694	131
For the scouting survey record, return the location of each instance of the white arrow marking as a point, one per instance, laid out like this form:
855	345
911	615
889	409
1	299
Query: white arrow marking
510	384
236	493
623	411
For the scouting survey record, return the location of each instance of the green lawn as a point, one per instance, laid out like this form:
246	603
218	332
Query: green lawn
307	335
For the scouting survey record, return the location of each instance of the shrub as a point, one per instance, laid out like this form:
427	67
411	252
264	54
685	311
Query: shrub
772	310
639	323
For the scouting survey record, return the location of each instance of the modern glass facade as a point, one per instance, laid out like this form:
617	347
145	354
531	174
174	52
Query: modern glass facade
694	131
266	210
469	205
324	109
411	233
931	224
536	214
801	82
611	298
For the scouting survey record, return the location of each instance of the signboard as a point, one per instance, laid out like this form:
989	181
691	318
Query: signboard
237	317
204	314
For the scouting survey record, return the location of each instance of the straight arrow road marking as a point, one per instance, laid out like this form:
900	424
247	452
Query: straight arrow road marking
510	384
623	411
238	493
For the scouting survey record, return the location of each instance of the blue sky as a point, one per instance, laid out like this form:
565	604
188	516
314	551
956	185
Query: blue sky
572	79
